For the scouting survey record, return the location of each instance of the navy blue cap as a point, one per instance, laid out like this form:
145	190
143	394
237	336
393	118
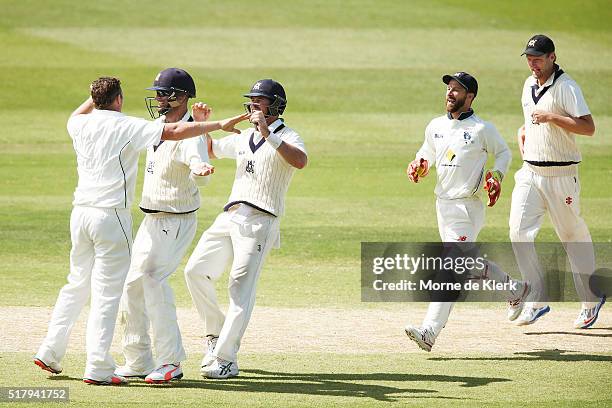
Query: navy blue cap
539	45
466	80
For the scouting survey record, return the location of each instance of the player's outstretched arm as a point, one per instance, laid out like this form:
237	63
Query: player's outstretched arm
185	130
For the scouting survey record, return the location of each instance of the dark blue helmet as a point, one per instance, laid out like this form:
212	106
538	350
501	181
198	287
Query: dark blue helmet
272	90
171	82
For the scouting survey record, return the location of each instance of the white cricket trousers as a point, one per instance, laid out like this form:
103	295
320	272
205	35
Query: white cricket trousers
533	195
244	238
458	221
160	244
99	262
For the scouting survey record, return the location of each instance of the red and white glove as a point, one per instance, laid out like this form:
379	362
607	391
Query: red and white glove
417	168
492	186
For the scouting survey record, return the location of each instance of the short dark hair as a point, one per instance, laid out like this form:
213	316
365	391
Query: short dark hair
104	90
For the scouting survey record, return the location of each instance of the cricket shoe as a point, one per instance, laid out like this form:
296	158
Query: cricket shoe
129	372
515	307
165	374
588	317
422	336
220	368
53	368
211	343
112	380
529	315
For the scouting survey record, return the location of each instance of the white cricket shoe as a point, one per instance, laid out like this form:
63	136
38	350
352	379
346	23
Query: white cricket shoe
220	368
529	315
53	368
515	307
211	343
129	372
588	317
164	374
112	380
423	336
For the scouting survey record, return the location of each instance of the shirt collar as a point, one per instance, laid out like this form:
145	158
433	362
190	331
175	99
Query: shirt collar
549	81
185	117
106	112
462	115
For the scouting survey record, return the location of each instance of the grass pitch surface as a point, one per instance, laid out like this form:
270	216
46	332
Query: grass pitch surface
363	80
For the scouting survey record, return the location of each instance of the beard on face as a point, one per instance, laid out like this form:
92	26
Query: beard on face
455	105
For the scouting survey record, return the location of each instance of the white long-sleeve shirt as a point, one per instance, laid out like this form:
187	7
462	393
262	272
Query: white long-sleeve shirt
459	149
262	175
169	182
547	142
107	144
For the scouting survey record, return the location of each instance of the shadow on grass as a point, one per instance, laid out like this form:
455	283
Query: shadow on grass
587	333
338	385
539	355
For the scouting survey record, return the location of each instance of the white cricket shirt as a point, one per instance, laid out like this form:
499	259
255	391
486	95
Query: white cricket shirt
169	183
262	175
548	142
459	149
107	144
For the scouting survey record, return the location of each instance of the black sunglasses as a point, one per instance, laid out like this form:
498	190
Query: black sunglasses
163	94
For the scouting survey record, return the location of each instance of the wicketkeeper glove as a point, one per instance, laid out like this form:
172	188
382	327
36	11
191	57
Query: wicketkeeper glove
417	168
493	179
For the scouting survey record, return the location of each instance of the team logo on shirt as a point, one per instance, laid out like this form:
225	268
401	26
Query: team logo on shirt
450	155
467	138
568	200
150	166
250	166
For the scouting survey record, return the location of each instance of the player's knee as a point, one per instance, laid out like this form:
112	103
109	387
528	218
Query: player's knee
518	234
190	271
574	235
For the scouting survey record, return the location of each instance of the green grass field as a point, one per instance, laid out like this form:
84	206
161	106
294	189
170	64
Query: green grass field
362	80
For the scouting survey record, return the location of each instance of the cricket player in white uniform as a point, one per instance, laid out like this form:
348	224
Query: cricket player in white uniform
555	112
459	143
170	199
243	234
107	144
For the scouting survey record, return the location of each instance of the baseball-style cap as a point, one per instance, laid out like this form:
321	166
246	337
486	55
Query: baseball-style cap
539	45
268	88
466	80
174	79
